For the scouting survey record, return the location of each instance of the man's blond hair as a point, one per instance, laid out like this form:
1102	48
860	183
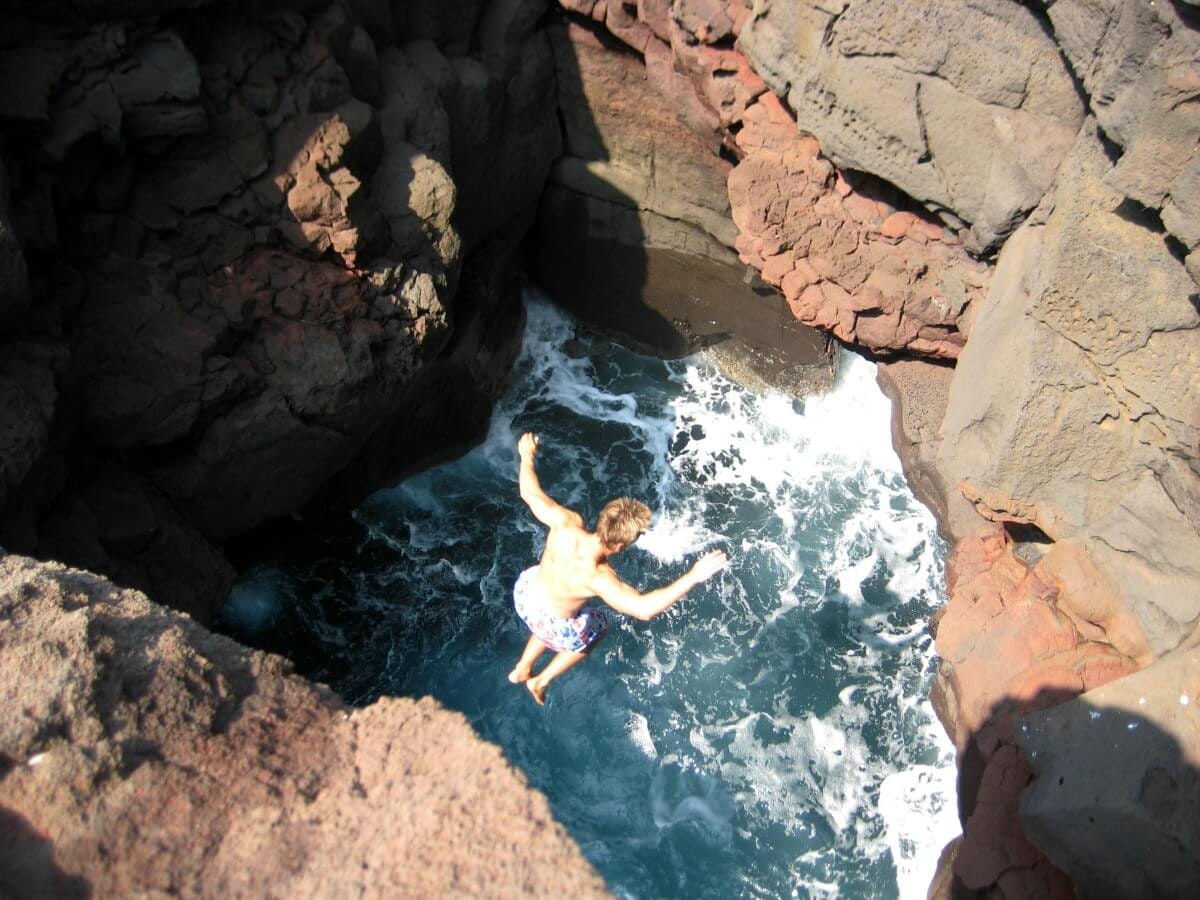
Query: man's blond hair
622	521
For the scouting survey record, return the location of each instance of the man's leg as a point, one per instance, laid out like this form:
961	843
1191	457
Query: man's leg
562	661
524	667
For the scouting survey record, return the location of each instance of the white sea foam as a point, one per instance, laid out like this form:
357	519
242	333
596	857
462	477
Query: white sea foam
770	446
639	732
711	699
917	806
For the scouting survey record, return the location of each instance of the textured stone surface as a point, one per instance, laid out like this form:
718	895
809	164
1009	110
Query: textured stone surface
1117	783
1006	648
1091	435
919	391
965	106
141	754
625	145
265	214
1140	66
848	261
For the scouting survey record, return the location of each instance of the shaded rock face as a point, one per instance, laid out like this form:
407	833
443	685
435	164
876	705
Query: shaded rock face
1117	780
140	753
230	243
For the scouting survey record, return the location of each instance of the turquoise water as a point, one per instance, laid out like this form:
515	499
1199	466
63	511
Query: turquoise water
767	737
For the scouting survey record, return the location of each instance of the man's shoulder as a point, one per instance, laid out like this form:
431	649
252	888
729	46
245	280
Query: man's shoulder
571	522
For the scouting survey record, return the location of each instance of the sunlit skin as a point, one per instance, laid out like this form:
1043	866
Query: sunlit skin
574	568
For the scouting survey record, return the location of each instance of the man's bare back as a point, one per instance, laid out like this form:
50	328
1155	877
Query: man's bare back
551	596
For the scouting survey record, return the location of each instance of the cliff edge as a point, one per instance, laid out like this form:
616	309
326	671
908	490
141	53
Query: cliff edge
140	753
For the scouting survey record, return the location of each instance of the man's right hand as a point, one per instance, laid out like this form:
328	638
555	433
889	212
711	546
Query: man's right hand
527	446
709	565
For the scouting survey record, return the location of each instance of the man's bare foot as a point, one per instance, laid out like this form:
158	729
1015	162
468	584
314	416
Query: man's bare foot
518	675
538	690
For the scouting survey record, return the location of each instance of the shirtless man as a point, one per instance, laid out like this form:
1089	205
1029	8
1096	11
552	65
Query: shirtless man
551	596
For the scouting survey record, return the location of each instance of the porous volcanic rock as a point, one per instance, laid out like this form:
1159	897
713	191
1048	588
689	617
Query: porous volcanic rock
966	107
847	261
140	753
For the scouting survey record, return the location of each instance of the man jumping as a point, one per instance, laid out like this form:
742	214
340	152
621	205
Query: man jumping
551	597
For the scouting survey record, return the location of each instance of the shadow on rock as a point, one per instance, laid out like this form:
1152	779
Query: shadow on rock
27	867
1092	795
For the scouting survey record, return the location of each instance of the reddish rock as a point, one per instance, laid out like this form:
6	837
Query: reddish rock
789	202
143	754
1006	650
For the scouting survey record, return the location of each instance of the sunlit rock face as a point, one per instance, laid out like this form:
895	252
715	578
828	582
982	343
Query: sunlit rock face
966	107
1136	63
1090	437
848	261
143	753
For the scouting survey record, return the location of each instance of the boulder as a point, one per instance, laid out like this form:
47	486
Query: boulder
143	754
1116	783
965	107
1091	435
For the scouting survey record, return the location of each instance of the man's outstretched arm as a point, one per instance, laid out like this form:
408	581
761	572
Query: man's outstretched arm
541	504
624	599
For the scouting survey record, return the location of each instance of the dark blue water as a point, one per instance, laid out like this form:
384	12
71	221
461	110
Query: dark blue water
768	736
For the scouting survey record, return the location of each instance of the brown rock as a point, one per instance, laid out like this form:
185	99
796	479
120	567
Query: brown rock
144	754
784	195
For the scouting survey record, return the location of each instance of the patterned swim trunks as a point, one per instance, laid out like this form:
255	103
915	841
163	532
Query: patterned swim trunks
574	635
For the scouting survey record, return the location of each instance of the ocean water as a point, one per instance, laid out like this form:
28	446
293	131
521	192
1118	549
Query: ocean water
769	736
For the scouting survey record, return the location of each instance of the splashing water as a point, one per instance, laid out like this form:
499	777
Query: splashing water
769	736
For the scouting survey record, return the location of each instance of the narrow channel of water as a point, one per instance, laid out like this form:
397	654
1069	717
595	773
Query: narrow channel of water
769	736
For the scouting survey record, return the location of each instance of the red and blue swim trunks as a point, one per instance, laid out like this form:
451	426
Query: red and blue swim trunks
573	635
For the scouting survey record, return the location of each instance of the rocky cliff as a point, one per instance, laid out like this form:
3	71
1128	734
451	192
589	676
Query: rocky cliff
140	753
236	241
249	257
